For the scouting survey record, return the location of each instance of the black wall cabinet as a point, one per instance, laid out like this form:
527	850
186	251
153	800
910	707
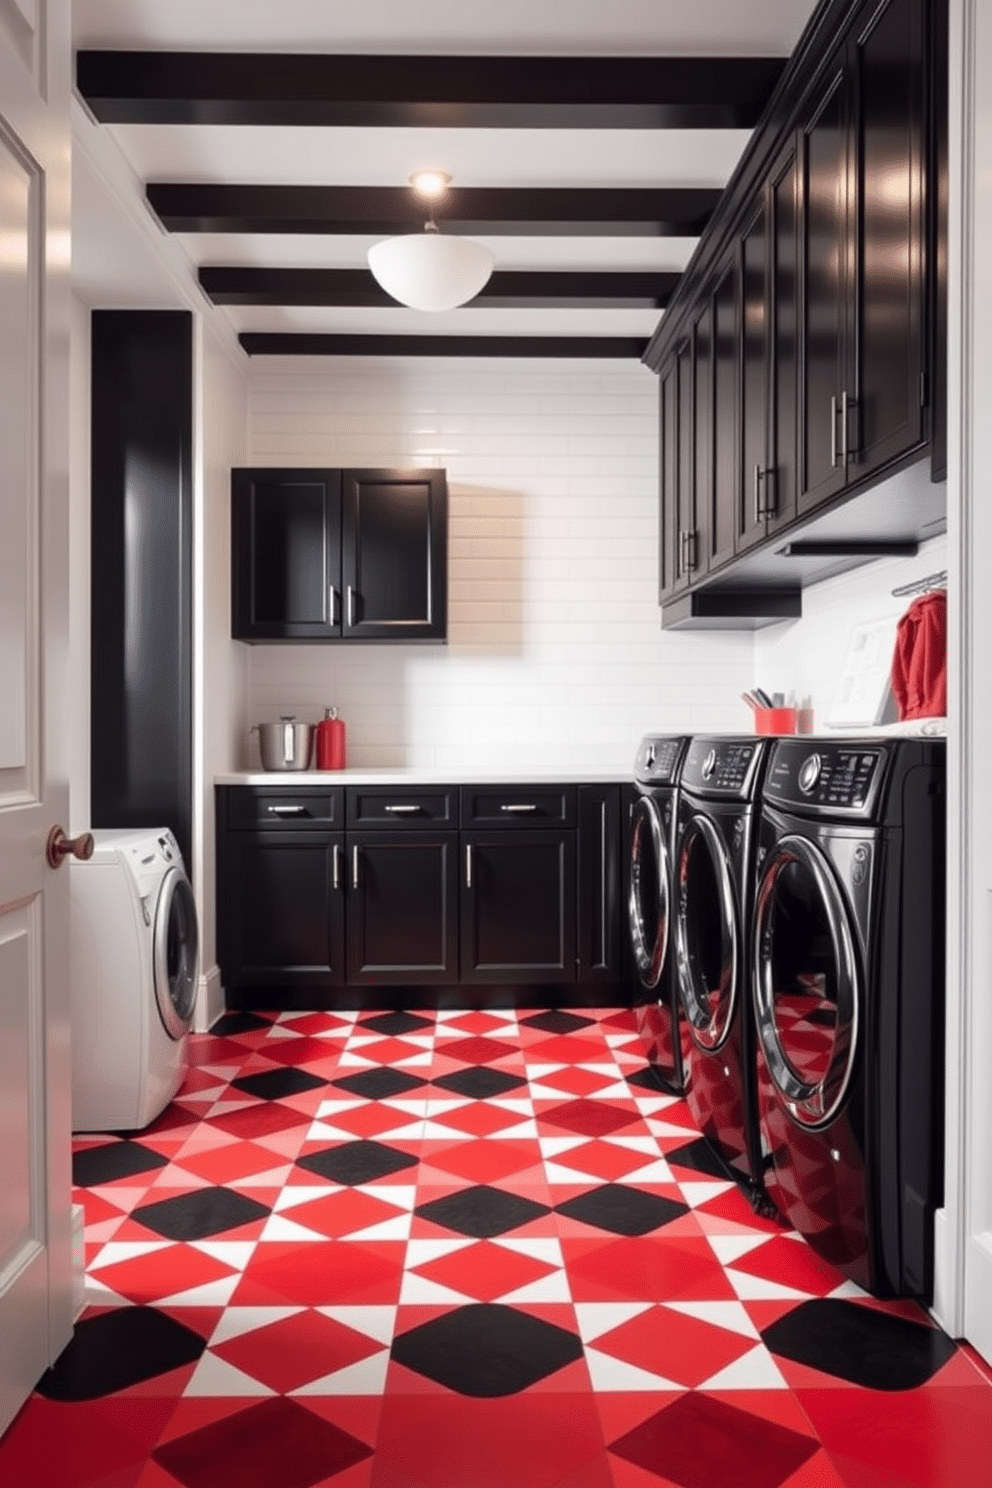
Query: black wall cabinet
322	555
324	892
141	732
799	357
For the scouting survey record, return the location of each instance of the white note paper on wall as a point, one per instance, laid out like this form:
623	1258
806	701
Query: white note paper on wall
864	685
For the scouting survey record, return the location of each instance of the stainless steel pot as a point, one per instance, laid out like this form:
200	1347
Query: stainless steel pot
285	745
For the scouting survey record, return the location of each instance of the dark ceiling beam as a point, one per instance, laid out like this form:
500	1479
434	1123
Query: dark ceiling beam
384	210
291	343
124	87
507	289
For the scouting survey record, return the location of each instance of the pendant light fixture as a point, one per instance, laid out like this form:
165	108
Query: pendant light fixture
428	270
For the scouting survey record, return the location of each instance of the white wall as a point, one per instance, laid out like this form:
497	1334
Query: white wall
807	656
555	660
219	664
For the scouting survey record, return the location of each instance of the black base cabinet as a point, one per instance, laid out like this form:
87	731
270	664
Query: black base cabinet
379	896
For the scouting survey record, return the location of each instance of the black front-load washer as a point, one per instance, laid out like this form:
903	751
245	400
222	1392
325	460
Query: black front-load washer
849	1000
714	869
651	900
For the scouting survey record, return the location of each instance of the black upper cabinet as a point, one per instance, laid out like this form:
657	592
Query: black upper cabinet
864	249
322	555
769	261
723	448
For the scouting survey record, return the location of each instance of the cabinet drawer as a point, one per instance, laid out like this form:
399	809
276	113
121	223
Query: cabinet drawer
250	808
391	806
518	806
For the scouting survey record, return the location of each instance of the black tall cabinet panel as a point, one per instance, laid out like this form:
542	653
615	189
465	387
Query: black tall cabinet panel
668	535
141	561
755	353
725	302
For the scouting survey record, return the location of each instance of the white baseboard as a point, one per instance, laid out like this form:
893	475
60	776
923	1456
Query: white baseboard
946	1308
209	1001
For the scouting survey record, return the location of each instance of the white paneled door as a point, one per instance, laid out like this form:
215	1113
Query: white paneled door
35	1269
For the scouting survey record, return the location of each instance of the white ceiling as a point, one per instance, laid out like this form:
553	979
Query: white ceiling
385	157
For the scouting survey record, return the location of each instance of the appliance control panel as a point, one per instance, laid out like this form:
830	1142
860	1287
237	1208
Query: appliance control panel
721	767
658	758
825	777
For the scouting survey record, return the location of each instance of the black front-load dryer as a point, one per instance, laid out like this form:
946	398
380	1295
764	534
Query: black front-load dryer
651	899
849	1000
714	869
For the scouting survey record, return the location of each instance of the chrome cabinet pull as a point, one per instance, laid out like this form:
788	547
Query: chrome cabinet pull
759	511
524	807
287	810
402	810
690	543
336	861
843	427
332	595
833	431
351	607
354	867
769	507
468	865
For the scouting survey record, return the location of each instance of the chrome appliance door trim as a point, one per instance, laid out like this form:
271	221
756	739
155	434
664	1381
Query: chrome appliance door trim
811	1105
649	957
705	1029
175	993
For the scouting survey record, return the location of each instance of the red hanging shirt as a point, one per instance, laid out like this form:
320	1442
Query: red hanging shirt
919	665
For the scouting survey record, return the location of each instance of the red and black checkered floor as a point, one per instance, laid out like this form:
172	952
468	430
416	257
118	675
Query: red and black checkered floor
467	1250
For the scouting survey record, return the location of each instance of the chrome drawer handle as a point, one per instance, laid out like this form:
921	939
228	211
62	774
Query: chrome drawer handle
354	867
337	866
351	608
468	865
287	810
403	810
333	604
522	809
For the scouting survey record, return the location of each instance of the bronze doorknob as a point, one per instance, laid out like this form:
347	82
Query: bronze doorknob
59	846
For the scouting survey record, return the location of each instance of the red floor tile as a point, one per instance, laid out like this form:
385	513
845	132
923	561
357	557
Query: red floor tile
674	1389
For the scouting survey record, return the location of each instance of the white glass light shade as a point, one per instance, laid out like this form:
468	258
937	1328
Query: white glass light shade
430	271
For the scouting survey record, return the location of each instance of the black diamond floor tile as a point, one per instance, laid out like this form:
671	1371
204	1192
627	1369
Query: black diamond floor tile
235	1023
699	1442
876	1350
701	1158
118	1349
622	1210
486	1349
481	1211
195	1216
557	1021
107	1163
276	1084
277	1444
356	1162
651	1078
479	1083
379	1084
394	1025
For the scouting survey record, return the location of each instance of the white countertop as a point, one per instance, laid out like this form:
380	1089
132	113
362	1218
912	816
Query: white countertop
412	777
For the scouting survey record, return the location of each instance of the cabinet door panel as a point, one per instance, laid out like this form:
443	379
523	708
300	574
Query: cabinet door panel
286	529
827	283
668	503
402	907
602	944
779	495
282	915
891	235
518	907
394	541
723	443
755	352
685	471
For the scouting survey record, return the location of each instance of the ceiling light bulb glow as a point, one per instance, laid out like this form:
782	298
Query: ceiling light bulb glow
430	183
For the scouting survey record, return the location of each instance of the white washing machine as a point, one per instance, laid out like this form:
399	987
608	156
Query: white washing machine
134	945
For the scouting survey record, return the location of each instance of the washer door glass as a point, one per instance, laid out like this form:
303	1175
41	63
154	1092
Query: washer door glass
648	904
175	953
707	934
805	981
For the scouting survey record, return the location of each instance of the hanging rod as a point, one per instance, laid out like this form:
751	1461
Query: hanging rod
921	586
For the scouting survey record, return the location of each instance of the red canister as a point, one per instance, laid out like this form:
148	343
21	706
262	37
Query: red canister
331	741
